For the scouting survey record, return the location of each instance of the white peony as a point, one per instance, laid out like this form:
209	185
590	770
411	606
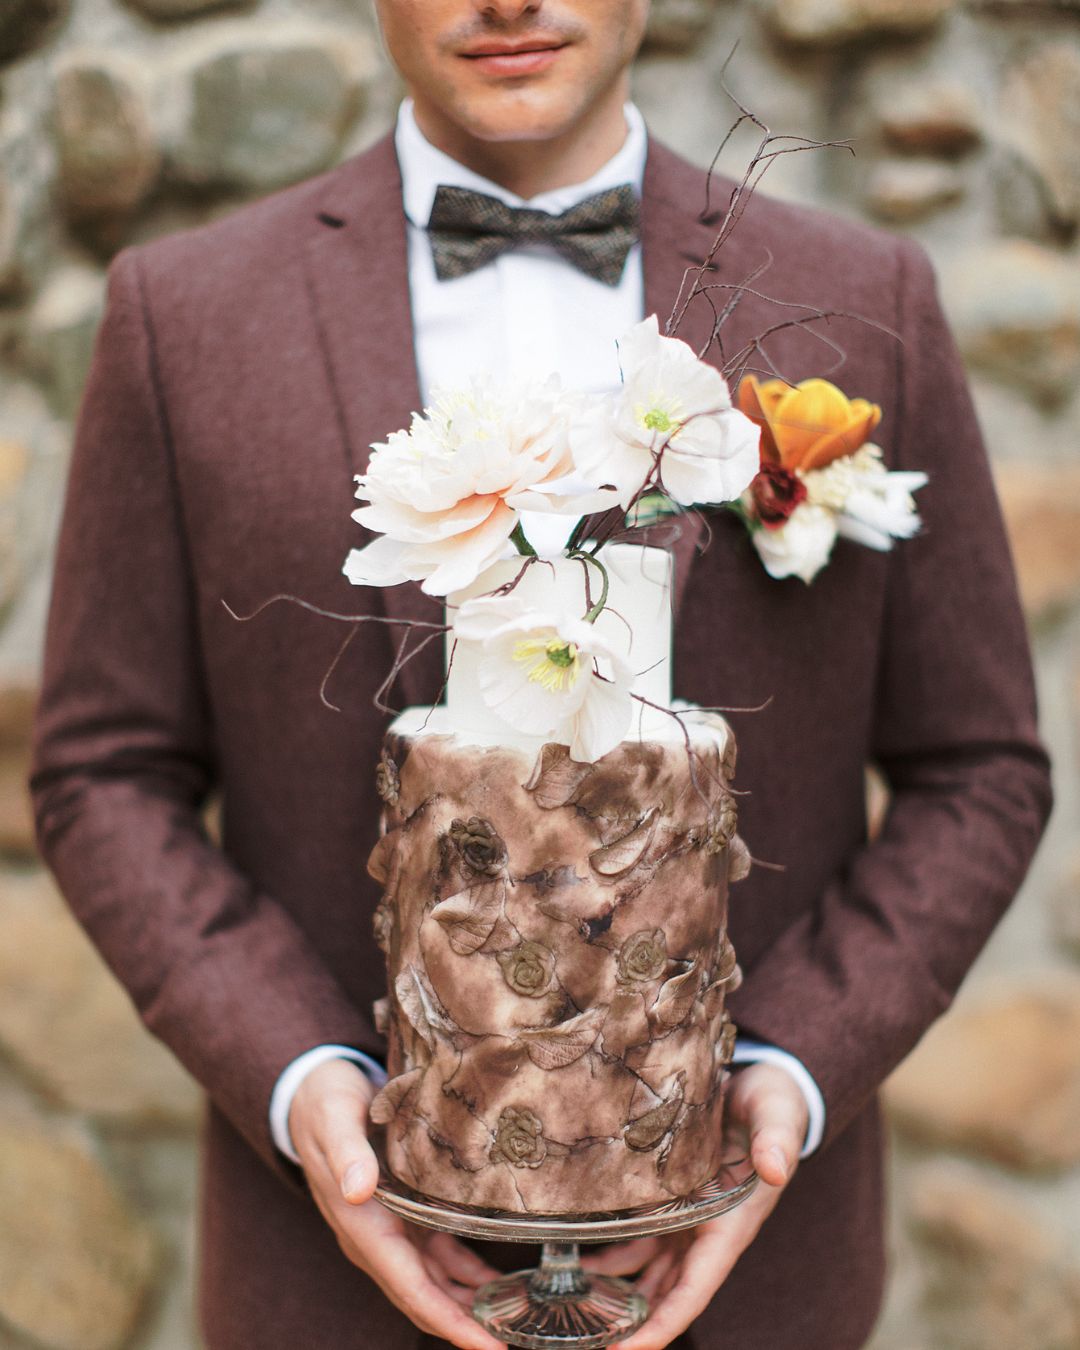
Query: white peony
674	406
549	674
444	495
801	546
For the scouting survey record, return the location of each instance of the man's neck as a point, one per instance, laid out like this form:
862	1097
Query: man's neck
529	167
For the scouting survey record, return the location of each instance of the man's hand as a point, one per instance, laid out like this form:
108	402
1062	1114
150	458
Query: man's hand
680	1273
430	1276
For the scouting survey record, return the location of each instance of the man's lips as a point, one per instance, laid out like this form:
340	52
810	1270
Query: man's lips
525	58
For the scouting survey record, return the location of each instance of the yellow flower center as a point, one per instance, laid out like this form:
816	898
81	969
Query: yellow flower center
550	662
659	415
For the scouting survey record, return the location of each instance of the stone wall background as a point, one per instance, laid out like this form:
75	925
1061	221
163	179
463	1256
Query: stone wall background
121	121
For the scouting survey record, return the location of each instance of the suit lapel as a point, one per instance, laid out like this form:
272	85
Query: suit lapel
357	274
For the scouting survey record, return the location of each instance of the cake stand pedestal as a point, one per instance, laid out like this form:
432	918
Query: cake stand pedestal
558	1303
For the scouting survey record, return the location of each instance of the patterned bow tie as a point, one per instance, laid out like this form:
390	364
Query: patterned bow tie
468	229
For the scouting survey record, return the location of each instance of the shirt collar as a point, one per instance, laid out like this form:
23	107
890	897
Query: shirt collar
424	168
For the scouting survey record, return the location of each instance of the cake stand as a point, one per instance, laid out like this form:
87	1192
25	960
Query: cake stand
558	1303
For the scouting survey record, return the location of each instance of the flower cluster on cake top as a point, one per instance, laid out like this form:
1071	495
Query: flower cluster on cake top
445	498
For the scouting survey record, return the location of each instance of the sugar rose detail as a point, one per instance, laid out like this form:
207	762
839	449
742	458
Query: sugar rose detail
479	844
528	968
519	1138
643	956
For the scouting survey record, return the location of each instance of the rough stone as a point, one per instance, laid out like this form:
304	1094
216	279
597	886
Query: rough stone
24	24
269	106
929	118
1015	308
57	342
1042	513
676	25
75	1262
1040	122
1065	907
904	190
9	266
185	9
66	1022
16	825
994	1273
14	458
1033	6
13	461
108	159
1002	1079
27	203
828	23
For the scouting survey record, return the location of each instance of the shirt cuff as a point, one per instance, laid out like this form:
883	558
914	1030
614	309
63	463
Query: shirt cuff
281	1099
756	1052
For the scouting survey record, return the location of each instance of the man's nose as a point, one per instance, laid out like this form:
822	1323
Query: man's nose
506	11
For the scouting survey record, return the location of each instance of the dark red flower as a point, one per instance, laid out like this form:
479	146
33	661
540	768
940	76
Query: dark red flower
776	492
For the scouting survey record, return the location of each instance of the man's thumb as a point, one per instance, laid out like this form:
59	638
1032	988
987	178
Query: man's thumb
359	1177
338	1111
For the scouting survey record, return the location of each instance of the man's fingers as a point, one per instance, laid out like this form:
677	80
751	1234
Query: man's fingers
622	1258
700	1273
460	1293
328	1121
405	1278
767	1101
657	1275
350	1159
686	1289
461	1263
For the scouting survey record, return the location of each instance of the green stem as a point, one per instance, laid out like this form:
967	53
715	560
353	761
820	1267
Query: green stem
519	541
597	609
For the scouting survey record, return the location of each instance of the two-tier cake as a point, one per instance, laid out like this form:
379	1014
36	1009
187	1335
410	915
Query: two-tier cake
556	935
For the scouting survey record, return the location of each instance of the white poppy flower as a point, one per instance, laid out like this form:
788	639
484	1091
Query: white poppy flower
801	546
445	494
671	405
549	674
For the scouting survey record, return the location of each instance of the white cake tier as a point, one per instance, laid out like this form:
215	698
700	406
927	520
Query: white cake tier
636	621
702	728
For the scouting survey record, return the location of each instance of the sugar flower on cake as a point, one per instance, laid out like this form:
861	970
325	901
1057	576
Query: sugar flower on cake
443	496
820	477
672	424
549	673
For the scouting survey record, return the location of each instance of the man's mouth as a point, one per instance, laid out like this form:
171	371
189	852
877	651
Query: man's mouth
525	57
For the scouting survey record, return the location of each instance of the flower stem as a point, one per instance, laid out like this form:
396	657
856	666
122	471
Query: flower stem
597	609
519	541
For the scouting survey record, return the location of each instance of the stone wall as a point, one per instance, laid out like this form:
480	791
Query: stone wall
120	121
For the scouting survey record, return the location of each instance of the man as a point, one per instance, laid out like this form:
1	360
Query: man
241	373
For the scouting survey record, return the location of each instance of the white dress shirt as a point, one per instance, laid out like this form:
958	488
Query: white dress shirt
525	315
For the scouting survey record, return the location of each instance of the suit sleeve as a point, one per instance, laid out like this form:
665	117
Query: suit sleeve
124	761
851	987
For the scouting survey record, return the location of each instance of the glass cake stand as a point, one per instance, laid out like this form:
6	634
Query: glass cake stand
558	1303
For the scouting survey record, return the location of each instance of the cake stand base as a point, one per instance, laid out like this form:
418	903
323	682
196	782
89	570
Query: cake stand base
558	1304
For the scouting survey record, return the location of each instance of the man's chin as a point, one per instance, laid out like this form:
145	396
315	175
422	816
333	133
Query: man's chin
507	120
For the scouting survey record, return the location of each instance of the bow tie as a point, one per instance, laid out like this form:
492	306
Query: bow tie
468	229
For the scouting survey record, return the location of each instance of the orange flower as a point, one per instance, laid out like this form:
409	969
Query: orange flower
807	425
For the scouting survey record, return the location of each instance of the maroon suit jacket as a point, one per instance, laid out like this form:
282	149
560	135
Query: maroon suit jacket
241	371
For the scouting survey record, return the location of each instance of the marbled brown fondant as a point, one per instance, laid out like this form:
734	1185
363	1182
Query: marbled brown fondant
557	963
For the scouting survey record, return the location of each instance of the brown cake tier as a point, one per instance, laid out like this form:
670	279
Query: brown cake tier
557	962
